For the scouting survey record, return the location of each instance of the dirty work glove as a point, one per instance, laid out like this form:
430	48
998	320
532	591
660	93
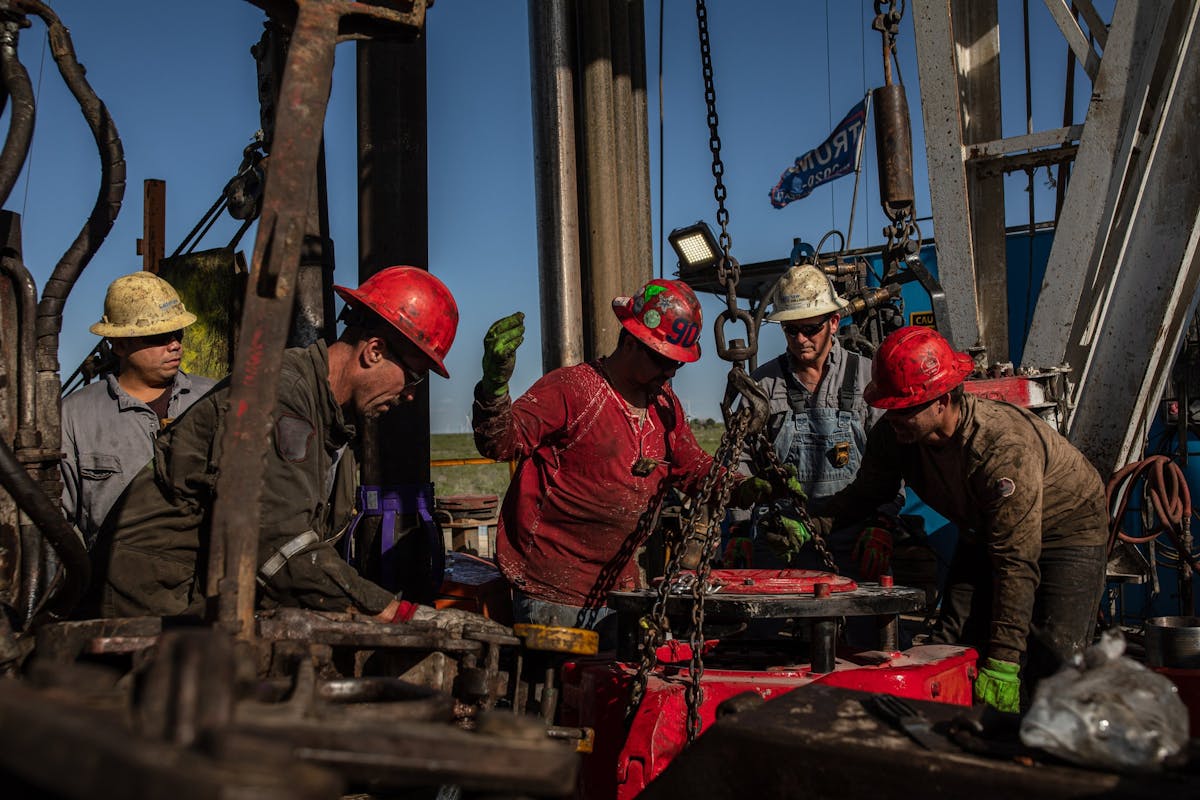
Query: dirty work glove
458	622
794	487
500	353
786	538
998	685
873	551
750	492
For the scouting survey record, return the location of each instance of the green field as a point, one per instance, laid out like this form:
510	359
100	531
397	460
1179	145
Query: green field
493	478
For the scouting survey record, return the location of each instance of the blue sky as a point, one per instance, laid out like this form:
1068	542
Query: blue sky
179	81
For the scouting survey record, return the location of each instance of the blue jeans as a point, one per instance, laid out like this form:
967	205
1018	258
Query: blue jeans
603	620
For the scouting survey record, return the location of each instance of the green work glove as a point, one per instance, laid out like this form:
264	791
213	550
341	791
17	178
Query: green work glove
750	492
787	537
500	353
794	487
998	685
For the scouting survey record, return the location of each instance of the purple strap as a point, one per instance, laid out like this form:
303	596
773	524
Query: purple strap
391	503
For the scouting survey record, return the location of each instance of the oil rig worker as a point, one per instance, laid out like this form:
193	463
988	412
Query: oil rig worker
818	425
109	427
598	445
399	325
1027	574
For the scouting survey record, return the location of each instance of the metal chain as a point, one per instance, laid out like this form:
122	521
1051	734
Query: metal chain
655	625
799	507
714	139
728	453
712	497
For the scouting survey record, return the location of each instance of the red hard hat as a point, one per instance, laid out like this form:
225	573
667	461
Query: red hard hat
416	304
665	316
913	366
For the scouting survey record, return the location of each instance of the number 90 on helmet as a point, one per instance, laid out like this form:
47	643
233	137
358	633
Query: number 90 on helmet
665	316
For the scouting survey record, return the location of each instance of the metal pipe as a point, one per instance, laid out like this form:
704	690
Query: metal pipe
551	59
20	129
893	145
824	645
602	268
642	231
393	228
48	517
26	290
624	137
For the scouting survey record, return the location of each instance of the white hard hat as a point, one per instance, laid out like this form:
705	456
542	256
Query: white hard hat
804	292
141	304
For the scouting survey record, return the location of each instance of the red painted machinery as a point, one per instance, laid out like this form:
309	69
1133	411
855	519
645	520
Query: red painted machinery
767	643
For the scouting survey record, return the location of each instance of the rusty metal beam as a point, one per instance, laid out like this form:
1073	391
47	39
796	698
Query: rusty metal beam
153	244
303	97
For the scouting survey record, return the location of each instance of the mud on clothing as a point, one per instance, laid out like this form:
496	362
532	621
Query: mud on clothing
107	437
570	521
153	548
1012	485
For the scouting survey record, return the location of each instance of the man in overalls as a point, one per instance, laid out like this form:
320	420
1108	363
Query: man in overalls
818	425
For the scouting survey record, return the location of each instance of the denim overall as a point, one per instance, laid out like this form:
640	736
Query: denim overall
825	445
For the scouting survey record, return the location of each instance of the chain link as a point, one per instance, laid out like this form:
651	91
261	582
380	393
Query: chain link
714	138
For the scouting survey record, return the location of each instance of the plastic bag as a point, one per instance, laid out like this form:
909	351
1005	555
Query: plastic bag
1107	711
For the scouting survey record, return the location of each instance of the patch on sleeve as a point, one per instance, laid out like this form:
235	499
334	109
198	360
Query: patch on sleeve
292	437
1004	488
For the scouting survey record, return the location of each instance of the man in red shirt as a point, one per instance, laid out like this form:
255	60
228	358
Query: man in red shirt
598	446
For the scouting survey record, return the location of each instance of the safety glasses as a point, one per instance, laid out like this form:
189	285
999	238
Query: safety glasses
794	329
163	339
412	375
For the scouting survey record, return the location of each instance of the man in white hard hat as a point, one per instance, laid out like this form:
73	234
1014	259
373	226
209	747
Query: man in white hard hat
109	427
818	423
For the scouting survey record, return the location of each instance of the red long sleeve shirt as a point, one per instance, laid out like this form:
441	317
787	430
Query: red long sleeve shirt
572	517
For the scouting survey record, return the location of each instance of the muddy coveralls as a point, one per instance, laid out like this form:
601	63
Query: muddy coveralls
591	477
1027	575
823	435
107	437
153	548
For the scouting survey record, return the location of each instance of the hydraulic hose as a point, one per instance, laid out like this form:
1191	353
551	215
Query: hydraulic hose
49	519
1167	488
108	200
20	129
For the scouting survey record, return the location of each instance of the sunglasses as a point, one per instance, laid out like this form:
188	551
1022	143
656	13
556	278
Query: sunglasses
662	362
911	411
794	329
412	375
163	339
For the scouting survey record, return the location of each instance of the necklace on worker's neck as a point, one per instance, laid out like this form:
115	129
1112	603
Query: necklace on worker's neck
637	417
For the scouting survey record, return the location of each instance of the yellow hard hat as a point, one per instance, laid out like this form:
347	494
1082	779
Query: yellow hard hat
805	292
141	304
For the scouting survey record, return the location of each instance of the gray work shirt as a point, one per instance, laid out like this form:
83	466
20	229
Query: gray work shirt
107	436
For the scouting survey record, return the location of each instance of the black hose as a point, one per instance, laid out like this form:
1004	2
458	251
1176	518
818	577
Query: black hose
47	516
26	292
108	200
20	129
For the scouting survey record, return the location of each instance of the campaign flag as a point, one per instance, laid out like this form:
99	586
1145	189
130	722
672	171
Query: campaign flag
832	159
